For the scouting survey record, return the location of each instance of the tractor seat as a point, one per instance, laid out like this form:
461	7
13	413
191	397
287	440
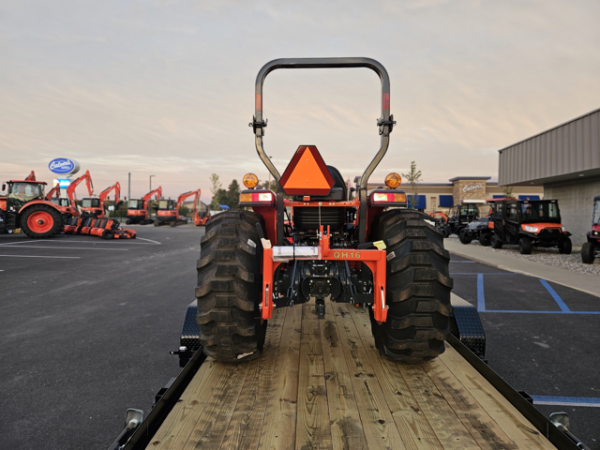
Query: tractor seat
339	191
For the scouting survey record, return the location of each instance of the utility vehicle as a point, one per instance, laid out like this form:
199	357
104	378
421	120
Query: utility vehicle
529	223
460	216
591	248
359	252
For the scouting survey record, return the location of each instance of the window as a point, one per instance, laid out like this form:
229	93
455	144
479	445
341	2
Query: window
512	212
26	191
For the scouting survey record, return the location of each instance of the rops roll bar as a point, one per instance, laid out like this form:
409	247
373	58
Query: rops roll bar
386	122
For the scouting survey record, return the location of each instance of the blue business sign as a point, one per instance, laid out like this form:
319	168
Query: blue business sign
63	182
63	166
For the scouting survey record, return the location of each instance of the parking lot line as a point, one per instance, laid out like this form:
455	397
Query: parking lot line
149	240
480	294
77	248
555	296
563	307
475	273
592	402
30	256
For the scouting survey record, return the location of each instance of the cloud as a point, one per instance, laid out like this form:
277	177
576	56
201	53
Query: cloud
168	88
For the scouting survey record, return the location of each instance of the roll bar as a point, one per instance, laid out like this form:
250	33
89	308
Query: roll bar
385	123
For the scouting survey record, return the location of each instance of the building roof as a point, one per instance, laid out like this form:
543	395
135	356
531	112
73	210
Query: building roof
452	180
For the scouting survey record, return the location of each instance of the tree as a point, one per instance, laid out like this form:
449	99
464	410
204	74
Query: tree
508	192
233	195
413	177
272	186
220	199
216	187
184	211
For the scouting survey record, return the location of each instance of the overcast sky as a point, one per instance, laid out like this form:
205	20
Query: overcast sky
167	88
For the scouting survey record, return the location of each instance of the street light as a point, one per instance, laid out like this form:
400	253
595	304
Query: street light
151	182
269	186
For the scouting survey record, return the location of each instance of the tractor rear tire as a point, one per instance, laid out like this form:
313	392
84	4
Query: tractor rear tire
495	242
525	246
229	287
588	253
418	288
565	246
41	221
464	238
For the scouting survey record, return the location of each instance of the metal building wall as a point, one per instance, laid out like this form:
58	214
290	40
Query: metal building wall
571	147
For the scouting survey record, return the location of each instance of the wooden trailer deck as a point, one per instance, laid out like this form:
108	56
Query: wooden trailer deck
321	384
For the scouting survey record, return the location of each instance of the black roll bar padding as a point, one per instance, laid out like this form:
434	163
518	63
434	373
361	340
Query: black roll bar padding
385	123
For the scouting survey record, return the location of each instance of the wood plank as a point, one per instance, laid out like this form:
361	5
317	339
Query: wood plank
245	426
446	425
501	410
279	425
346	428
480	425
409	418
312	425
212	378
378	423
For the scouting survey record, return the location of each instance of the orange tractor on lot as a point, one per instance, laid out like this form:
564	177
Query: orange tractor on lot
359	251
137	210
25	207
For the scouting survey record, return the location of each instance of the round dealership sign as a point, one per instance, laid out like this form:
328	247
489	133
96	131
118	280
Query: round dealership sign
64	166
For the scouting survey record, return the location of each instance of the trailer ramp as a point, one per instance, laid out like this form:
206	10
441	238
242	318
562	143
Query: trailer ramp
321	384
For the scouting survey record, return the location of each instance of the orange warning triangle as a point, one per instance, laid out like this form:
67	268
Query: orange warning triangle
304	175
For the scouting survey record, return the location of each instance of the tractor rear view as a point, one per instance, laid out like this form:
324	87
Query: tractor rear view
330	248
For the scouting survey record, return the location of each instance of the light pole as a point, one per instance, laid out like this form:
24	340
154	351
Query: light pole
269	186
151	182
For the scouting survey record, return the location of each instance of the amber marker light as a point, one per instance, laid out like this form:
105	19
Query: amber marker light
250	180
393	180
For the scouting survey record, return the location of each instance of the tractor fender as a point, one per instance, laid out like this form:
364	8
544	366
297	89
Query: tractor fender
38	202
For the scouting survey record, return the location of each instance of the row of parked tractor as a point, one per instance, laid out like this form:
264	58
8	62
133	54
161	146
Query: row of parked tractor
526	223
26	207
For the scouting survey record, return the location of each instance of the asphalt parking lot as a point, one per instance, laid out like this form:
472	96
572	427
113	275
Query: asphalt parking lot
86	327
542	338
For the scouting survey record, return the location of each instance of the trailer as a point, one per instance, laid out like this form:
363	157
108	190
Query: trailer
321	384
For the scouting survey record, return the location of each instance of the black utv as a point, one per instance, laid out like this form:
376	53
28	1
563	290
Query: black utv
529	223
462	215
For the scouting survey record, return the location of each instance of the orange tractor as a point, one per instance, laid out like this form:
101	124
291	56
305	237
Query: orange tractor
96	206
25	207
137	210
168	211
329	248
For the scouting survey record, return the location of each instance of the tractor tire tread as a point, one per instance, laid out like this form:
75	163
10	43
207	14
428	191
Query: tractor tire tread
229	287
418	288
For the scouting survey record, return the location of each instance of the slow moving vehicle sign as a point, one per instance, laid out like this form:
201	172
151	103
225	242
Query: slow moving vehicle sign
64	166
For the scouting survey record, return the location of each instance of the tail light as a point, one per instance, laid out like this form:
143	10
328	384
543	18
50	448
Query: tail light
256	197
389	197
